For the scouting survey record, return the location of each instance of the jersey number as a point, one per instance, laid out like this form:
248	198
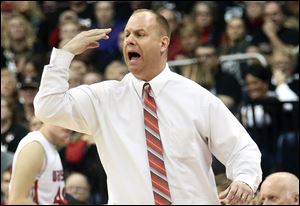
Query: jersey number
59	197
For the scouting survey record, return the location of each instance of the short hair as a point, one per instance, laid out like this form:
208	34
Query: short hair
160	19
260	72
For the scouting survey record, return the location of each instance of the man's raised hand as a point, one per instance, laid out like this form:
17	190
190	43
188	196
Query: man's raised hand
86	40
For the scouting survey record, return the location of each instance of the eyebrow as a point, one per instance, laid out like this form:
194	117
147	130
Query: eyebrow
137	30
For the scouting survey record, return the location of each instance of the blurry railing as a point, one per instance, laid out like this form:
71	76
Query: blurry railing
245	56
223	58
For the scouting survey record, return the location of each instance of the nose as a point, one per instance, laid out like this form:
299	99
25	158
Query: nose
129	40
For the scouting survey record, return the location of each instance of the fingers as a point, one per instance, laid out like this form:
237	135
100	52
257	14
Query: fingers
223	194
86	40
244	199
95	32
249	198
232	194
236	193
98	37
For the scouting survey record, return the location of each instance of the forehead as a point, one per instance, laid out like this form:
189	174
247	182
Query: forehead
205	50
235	22
141	20
272	7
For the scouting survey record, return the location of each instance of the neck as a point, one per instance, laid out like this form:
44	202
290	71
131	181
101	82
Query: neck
153	74
18	45
47	134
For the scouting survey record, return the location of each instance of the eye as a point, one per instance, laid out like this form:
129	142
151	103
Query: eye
273	198
140	34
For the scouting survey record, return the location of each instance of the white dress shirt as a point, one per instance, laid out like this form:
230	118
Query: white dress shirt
193	123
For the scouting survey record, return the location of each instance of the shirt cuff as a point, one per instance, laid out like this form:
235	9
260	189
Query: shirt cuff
61	58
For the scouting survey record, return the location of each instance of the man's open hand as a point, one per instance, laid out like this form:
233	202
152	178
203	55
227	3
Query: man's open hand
86	40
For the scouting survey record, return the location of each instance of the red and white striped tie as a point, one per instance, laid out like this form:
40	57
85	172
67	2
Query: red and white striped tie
158	173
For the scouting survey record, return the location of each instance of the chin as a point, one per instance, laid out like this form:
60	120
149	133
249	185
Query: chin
133	69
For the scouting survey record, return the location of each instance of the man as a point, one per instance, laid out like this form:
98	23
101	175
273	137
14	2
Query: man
37	173
280	188
274	34
149	161
78	186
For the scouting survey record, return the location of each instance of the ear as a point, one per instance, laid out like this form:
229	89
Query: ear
164	44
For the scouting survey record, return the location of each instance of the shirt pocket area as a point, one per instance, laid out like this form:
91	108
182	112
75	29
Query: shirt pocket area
181	143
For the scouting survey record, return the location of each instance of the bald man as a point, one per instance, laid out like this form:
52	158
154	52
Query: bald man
78	186
280	188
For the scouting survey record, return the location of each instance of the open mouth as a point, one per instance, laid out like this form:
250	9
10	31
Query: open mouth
133	55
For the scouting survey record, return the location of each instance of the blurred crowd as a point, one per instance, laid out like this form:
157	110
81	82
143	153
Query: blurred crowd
263	97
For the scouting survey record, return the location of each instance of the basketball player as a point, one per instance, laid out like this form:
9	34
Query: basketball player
37	173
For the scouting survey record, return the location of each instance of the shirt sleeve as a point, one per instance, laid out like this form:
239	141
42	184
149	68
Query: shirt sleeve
232	145
56	104
284	93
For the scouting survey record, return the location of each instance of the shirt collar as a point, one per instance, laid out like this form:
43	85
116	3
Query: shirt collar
157	83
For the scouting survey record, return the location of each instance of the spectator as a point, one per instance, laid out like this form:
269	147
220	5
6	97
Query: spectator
280	188
78	186
18	39
205	17
67	32
11	131
235	37
28	87
92	77
80	66
174	19
260	115
32	67
254	15
235	41
292	20
78	69
9	86
5	179
284	81
274	35
31	11
64	17
80	155
109	50
115	71
189	40
84	11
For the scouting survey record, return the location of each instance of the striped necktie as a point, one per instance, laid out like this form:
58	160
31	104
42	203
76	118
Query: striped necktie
155	152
